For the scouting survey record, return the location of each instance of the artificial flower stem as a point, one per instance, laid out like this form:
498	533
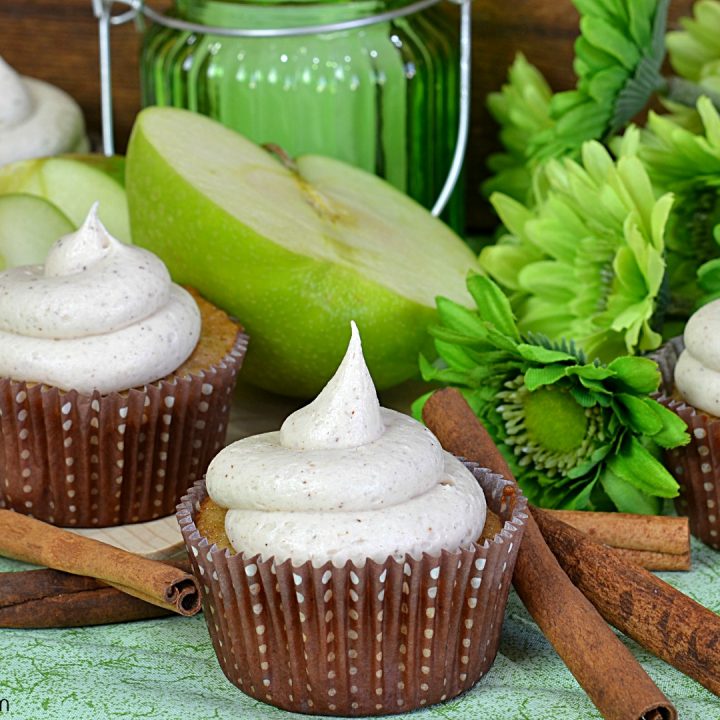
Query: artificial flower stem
686	92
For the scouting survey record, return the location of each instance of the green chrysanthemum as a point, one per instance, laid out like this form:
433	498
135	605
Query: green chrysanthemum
576	435
617	61
687	164
695	50
587	261
522	109
694	53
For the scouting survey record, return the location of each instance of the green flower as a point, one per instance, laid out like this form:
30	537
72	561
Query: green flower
694	51
522	109
587	261
576	434
617	60
688	164
694	55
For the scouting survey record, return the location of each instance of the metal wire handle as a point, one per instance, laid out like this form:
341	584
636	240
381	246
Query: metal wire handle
103	10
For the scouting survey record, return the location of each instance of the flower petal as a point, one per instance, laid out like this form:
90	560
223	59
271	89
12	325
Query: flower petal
636	466
493	305
553	281
640	375
626	497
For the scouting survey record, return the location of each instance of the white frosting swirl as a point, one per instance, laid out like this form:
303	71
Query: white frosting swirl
99	315
697	373
36	119
345	479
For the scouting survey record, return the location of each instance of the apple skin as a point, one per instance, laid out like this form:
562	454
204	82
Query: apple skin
296	309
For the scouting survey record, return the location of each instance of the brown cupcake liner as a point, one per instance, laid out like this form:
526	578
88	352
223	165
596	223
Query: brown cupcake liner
374	640
91	460
695	466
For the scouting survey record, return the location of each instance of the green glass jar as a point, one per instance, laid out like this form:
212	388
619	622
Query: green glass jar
382	96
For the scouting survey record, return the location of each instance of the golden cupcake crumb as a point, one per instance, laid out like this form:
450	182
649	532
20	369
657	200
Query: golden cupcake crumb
216	339
210	521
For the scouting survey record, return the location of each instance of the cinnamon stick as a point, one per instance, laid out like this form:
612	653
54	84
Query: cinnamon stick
654	560
651	533
623	536
36	542
84	603
662	619
654	542
603	666
53	599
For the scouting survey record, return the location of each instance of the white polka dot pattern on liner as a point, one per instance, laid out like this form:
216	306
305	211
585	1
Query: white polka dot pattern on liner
696	467
92	440
355	646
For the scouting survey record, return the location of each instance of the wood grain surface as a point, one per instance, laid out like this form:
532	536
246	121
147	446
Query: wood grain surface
56	40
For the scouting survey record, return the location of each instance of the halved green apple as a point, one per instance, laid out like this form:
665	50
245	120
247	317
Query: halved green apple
29	225
73	183
294	252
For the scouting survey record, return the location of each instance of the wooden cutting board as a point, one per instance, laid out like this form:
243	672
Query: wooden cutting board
158	539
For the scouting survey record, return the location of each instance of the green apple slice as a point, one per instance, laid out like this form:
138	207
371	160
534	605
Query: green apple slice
73	183
111	165
294	252
29	225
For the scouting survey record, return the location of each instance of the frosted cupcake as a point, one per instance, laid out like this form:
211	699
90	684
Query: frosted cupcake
114	383
340	558
36	119
691	388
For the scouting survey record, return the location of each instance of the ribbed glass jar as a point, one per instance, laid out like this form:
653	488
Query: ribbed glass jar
383	97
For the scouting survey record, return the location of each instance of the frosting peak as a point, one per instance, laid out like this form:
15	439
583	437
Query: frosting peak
16	102
90	284
36	118
345	414
100	315
73	253
345	479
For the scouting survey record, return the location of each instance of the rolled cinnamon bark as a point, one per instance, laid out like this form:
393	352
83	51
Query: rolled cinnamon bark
95	604
665	621
24	538
648	533
53	599
20	588
603	666
654	560
625	536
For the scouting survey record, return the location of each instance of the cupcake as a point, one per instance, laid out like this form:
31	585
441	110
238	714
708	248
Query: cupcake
36	119
690	369
115	384
341	559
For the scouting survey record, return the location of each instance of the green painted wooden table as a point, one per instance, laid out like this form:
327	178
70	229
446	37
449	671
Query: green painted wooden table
161	669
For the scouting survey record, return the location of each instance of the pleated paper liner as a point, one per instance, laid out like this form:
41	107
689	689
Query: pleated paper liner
92	460
373	640
695	466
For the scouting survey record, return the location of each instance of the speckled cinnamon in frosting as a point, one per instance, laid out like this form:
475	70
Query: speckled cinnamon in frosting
345	479
99	315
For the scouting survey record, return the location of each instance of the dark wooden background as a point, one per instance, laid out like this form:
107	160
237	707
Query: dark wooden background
56	40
